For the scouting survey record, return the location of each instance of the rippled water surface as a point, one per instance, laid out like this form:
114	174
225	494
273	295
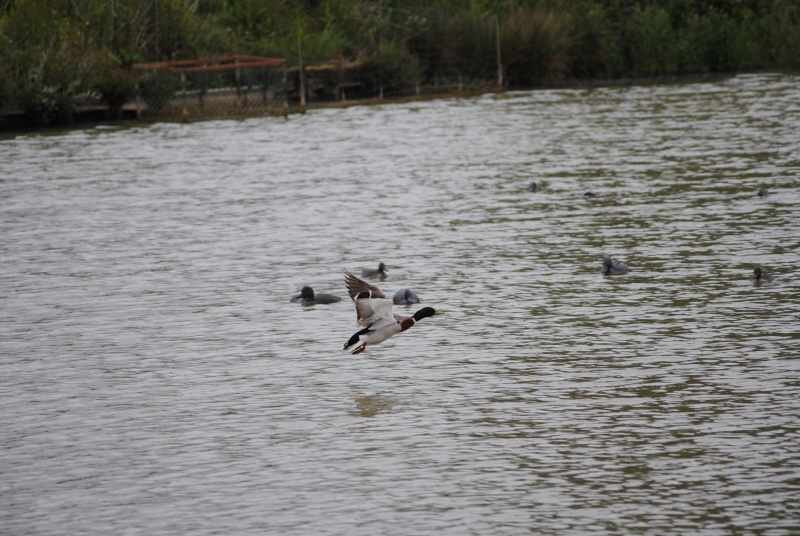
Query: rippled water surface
157	380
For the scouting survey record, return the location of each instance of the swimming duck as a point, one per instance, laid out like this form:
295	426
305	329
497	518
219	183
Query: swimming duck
375	317
405	296
763	192
307	297
381	271
534	187
760	277
590	194
612	267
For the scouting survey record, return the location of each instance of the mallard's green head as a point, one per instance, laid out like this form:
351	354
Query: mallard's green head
425	312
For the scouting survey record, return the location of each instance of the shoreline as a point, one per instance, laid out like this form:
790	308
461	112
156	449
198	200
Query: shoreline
17	122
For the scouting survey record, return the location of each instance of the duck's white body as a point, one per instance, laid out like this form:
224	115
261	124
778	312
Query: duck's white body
380	326
375	313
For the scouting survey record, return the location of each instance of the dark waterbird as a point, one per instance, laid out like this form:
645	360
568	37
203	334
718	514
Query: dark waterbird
534	187
763	192
380	271
760	278
307	297
405	296
374	315
612	267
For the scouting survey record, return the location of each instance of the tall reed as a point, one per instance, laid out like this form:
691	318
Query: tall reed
535	45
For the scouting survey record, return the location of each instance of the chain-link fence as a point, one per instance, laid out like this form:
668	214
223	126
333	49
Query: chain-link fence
230	86
240	86
213	88
448	60
343	82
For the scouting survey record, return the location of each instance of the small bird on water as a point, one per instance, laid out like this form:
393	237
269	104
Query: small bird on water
534	187
612	267
763	192
374	315
307	297
405	296
760	278
380	271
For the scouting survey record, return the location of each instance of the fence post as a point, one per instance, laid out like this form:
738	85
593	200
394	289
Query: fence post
285	92
266	92
301	74
340	96
138	96
184	108
497	44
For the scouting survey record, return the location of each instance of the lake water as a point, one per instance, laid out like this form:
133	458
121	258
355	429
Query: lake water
157	380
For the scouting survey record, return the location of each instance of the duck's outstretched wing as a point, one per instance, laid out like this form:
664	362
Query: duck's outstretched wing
356	286
374	313
373	310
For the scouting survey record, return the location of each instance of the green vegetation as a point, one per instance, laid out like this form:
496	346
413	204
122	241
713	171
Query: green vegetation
57	54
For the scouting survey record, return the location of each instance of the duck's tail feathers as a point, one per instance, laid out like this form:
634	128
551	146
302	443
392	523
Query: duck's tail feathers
355	345
356	348
359	348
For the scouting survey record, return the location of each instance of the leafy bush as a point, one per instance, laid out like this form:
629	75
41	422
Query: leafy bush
476	47
56	83
115	84
594	45
319	47
650	41
451	45
535	45
779	35
7	77
157	88
31	24
38	99
397	68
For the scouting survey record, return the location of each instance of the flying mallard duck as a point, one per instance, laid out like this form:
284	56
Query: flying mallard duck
307	297
760	277
380	271
375	317
612	267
